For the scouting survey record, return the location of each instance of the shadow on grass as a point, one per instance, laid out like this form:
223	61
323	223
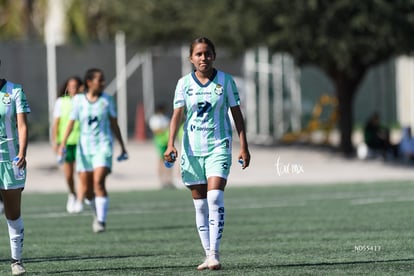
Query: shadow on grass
117	270
83	258
91	270
114	269
124	269
327	263
125	228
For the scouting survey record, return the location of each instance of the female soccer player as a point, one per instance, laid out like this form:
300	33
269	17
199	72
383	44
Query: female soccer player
62	109
204	96
96	113
13	145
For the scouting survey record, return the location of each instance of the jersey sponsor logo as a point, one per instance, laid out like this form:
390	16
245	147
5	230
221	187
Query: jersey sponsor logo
189	92
202	108
219	89
203	93
200	128
6	99
220	222
179	102
204	128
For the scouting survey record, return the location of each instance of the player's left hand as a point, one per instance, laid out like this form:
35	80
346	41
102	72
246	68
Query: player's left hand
245	156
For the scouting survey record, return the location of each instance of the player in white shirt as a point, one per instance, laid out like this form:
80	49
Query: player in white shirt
204	98
96	113
61	113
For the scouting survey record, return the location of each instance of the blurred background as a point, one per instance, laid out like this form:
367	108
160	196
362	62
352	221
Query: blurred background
302	67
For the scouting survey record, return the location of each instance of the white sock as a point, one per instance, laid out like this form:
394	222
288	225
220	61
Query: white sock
16	235
92	204
215	200
201	212
101	204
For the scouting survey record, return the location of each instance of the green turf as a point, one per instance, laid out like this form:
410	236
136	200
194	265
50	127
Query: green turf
346	229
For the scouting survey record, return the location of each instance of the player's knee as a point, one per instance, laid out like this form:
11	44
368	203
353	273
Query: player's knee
215	198
99	189
201	205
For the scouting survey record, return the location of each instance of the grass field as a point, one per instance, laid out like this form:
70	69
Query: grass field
344	229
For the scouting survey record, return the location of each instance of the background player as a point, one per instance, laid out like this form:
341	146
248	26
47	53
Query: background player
61	113
96	113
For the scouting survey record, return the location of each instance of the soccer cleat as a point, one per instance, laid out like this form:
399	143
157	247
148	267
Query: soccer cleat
87	202
70	203
203	265
17	268
98	226
77	207
214	261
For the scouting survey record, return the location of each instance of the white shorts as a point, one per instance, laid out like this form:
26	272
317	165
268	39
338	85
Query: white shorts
89	162
197	169
7	179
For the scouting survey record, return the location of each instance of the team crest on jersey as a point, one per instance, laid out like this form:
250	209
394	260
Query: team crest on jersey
6	99
219	89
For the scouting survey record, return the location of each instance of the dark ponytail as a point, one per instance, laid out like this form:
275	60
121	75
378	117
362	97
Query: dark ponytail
62	91
90	75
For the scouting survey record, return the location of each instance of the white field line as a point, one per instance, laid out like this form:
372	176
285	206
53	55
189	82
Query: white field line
137	210
355	199
379	200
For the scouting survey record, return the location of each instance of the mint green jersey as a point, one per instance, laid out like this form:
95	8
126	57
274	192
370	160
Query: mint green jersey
94	123
12	101
207	127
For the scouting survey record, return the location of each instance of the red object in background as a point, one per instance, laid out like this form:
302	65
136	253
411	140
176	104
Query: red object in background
140	123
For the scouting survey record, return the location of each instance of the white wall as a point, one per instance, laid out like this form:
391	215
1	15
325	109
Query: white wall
405	90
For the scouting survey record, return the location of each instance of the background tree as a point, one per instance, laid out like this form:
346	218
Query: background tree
345	38
147	23
21	20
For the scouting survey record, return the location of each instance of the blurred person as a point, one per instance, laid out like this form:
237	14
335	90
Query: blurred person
95	110
204	97
406	145
377	136
62	109
159	125
14	138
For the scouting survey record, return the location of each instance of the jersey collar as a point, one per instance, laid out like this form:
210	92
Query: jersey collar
207	83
